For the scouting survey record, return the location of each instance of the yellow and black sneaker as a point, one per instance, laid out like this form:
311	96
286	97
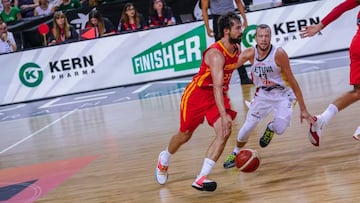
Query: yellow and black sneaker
230	161
267	137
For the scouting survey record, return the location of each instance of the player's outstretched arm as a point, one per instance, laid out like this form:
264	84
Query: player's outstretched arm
309	31
246	55
282	60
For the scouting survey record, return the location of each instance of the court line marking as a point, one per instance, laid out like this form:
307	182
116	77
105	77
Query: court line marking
142	88
38	131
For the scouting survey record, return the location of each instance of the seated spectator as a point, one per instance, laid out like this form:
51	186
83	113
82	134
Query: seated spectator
55	3
10	13
90	3
160	14
7	41
69	4
61	30
104	26
130	19
27	7
44	8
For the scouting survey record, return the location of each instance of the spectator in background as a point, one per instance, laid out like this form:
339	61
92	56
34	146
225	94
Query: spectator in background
69	4
10	13
131	20
218	8
104	26
27	7
55	3
7	40
1	7
91	3
160	14
44	8
61	31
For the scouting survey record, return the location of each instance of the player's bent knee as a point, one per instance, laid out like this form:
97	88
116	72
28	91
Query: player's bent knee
279	131
279	126
245	130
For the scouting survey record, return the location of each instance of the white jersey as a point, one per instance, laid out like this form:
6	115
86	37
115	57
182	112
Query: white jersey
6	47
266	74
42	11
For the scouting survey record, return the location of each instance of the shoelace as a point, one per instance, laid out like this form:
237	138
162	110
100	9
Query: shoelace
230	157
268	135
163	169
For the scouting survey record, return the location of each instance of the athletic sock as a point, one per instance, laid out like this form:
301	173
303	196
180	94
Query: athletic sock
165	158
236	150
207	166
329	113
270	126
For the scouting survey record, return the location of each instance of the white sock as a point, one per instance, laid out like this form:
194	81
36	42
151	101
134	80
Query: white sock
207	166
270	125
236	150
329	113
165	157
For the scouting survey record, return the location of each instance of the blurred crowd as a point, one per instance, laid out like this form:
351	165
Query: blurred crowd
159	14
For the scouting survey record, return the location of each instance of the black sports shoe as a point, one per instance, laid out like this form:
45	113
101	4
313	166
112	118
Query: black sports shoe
203	184
267	136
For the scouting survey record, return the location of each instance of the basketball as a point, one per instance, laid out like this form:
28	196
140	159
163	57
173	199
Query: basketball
247	160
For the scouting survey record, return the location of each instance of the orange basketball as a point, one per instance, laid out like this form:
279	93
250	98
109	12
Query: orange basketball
247	160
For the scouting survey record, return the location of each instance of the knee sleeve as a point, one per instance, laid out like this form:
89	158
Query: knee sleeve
245	130
280	125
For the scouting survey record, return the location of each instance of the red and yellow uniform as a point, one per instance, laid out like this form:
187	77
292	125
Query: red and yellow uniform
198	99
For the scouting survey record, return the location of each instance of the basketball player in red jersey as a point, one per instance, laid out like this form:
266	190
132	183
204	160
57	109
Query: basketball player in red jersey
206	97
349	97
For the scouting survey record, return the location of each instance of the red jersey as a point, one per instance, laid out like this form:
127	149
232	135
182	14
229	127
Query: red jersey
338	11
203	77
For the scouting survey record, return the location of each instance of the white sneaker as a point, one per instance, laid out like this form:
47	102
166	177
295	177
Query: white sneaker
203	184
161	171
356	135
315	130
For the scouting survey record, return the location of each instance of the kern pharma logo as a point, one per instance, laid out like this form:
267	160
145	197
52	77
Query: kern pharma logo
181	53
248	37
31	75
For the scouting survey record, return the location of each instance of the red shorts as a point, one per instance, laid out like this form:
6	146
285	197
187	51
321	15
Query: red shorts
198	103
355	60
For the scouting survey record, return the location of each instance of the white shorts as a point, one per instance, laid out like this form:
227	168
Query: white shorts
277	100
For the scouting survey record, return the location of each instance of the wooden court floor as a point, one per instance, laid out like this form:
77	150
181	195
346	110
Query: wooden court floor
108	153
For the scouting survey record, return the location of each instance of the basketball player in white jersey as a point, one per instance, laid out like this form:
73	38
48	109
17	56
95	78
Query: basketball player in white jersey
277	90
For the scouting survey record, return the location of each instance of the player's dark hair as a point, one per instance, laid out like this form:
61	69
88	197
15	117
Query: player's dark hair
227	21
